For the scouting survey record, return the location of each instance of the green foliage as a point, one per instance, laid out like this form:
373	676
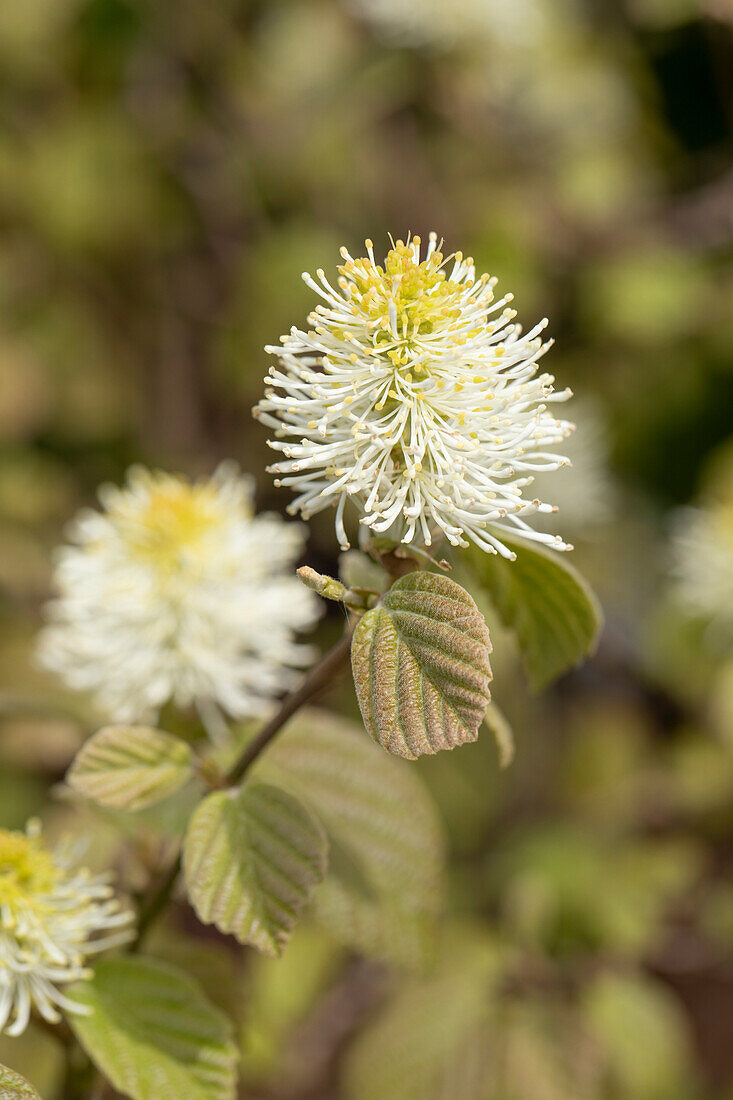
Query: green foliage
15	1087
566	891
154	1034
478	1029
429	1041
421	666
216	965
358	570
544	599
384	889
429	1045
131	767
460	1033
540	1049
279	995
468	790
166	172
251	859
497	723
639	294
165	820
640	1026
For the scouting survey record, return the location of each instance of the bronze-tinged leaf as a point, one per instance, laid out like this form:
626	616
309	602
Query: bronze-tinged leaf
421	666
15	1087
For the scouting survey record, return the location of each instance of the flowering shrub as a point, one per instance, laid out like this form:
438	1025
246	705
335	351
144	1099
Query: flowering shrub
289	763
416	397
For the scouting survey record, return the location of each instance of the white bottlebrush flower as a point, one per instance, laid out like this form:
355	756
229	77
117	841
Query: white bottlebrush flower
415	395
176	590
703	564
53	916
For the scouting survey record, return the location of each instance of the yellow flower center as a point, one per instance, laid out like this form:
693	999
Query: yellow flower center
415	297
173	522
27	870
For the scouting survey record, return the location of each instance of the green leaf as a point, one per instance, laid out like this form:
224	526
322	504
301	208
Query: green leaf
421	666
216	965
556	616
629	1014
153	1033
496	721
384	886
131	767
251	858
541	1051
590	890
431	1041
15	1087
418	1048
358	570
456	1035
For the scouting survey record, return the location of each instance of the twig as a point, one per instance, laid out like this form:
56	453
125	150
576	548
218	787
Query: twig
317	679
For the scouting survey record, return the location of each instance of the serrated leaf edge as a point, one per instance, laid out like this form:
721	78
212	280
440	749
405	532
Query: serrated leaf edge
270	940
91	783
388	614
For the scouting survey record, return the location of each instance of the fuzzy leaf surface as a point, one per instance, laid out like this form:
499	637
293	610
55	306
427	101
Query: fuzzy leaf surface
131	767
154	1034
544	599
251	859
15	1087
421	666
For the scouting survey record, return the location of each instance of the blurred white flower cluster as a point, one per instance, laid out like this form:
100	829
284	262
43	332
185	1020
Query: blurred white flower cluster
415	22
416	395
703	564
175	590
534	69
53	916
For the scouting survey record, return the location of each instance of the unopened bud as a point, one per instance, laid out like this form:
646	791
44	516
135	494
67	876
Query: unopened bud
325	586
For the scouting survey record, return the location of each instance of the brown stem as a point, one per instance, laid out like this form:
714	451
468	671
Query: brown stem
318	678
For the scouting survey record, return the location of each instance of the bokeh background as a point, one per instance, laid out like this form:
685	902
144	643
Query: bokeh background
167	170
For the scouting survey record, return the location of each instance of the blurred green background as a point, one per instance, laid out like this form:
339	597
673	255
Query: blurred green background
167	170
